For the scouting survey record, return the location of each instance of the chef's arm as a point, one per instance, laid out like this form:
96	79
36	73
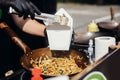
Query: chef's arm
29	26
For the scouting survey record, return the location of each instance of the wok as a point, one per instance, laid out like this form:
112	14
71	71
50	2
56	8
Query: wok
33	54
108	25
83	38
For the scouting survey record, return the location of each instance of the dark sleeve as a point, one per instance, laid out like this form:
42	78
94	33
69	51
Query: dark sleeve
3	3
46	6
4	13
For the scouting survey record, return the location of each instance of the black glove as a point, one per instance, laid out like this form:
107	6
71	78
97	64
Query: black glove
23	7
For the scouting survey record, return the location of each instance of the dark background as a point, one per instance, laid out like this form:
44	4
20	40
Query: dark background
101	2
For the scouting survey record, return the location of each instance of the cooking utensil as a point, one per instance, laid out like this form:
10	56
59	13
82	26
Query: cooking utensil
83	38
48	18
42	52
110	25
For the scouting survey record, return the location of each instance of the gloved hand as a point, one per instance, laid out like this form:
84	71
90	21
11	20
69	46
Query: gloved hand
23	7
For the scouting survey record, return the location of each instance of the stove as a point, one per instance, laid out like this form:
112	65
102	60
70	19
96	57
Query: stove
20	74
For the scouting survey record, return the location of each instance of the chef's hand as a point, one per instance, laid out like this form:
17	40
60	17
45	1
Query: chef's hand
23	7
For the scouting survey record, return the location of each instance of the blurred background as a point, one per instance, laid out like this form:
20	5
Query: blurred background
84	11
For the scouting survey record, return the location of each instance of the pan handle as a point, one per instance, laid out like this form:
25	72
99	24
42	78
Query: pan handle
15	38
112	13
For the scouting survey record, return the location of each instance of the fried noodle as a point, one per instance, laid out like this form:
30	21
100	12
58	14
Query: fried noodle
56	66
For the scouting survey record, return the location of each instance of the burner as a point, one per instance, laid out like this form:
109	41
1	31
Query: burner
18	75
25	75
21	74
